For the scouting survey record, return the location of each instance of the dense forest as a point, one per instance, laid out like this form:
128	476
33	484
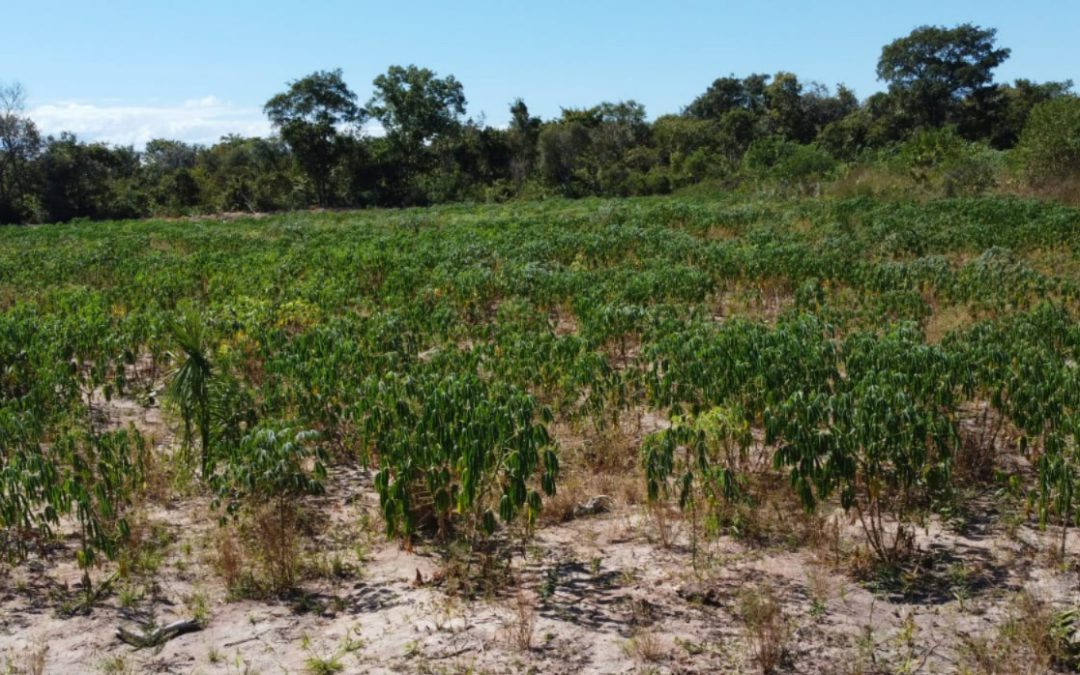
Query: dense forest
943	126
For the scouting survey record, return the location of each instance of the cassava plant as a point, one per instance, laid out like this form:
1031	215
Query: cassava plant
700	459
102	473
263	477
881	440
455	451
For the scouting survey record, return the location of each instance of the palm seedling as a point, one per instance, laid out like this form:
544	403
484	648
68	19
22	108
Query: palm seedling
189	384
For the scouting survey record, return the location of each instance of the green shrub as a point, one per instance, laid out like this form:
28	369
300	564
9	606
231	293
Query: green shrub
787	164
1049	148
942	161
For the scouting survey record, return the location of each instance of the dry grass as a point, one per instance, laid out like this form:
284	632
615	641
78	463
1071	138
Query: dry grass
594	463
261	553
1063	190
819	587
770	514
274	539
519	625
646	646
872	181
766	627
983	445
229	560
1034	638
574	488
944	320
764	302
144	550
33	661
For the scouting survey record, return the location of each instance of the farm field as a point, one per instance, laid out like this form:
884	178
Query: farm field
656	435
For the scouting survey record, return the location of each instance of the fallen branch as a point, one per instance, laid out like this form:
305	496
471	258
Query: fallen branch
158	636
450	655
247	639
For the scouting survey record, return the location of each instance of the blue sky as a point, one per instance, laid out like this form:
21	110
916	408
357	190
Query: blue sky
126	71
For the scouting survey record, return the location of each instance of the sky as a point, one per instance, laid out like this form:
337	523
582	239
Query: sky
128	71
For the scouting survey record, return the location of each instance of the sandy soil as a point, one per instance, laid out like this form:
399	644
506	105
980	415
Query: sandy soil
603	593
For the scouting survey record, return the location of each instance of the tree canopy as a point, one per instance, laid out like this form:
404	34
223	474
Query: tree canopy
943	123
309	115
414	105
933	68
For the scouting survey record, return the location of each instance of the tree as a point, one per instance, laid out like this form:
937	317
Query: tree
88	180
820	108
562	146
20	143
785	115
935	68
308	117
1049	147
476	156
594	150
730	93
163	155
1010	108
415	106
253	174
524	137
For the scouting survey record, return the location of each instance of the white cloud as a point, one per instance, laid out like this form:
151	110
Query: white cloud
203	120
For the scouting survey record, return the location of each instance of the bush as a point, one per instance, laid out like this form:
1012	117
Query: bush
787	164
1049	148
939	159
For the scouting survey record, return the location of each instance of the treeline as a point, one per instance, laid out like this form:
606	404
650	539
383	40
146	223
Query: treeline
943	125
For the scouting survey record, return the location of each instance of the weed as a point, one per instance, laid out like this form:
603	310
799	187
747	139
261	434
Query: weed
199	607
646	646
323	666
1034	638
519	625
114	665
128	596
817	582
595	564
765	625
550	583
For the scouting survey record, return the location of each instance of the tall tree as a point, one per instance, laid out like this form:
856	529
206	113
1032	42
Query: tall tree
728	94
932	70
785	115
20	143
309	117
524	135
88	180
414	105
1001	118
